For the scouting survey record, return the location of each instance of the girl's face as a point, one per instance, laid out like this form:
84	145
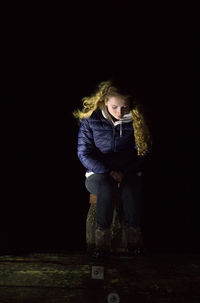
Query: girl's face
117	106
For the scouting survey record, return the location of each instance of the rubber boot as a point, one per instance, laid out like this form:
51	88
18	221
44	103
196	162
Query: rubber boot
135	243
103	243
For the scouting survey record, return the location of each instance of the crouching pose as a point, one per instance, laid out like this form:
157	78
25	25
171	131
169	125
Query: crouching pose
113	145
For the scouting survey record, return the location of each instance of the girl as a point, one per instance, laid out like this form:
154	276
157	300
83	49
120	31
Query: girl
113	146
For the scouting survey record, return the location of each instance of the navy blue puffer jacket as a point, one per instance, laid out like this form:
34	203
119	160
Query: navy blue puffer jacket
102	147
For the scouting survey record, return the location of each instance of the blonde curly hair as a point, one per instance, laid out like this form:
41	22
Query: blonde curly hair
104	91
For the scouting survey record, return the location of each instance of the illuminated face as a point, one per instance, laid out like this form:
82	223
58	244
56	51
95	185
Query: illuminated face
117	107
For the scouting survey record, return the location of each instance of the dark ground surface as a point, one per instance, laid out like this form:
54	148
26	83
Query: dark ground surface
66	277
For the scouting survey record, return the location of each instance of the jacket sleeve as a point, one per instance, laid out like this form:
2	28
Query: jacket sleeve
88	154
129	161
134	163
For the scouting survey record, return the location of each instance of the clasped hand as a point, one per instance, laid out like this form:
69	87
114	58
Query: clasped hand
117	176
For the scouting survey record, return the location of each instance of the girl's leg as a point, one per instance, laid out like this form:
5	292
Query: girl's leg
131	199
106	189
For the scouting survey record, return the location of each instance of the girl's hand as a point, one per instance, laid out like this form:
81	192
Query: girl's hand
117	176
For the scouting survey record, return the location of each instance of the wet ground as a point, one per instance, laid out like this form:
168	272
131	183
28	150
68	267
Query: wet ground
75	277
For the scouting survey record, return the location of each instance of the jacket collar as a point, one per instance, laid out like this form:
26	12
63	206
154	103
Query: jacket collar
125	119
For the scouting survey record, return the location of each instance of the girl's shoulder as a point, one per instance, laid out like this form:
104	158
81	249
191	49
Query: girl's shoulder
96	115
95	118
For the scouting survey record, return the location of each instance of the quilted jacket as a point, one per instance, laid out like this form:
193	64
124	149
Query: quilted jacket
103	147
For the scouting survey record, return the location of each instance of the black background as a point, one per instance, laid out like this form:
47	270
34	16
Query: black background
54	56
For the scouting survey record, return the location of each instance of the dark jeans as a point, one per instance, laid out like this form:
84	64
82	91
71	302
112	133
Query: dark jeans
105	188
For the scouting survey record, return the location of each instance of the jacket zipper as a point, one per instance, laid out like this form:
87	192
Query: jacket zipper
113	143
113	136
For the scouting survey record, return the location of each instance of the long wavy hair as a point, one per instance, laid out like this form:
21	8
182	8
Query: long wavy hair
104	91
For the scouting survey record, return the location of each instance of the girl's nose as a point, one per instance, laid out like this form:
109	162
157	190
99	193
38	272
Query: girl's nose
119	112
